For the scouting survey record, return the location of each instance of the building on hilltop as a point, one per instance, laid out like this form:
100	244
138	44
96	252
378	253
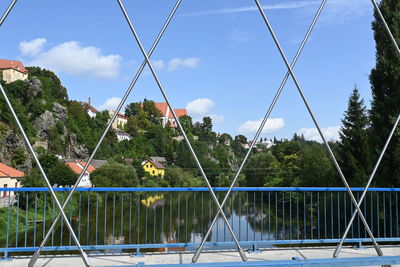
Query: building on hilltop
154	168
77	167
91	111
11	70
9	177
167	117
122	136
120	121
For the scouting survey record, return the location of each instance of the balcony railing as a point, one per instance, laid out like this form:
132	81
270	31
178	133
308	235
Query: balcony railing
164	219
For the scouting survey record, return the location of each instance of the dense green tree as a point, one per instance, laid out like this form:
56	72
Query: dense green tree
385	82
115	175
260	169
354	148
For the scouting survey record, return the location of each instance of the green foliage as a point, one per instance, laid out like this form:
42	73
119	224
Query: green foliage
354	148
385	83
115	175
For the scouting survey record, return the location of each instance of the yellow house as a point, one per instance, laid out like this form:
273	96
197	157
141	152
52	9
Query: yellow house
154	168
11	70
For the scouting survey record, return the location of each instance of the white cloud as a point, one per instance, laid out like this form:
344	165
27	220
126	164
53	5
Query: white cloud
72	58
343	11
158	64
287	5
330	133
33	47
217	118
199	107
111	103
177	63
272	125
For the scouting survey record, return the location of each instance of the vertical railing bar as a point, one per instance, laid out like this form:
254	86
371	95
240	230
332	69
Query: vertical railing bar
311	216
390	214
377	214
34	222
79	216
62	221
186	217
366	215
325	229
179	217
318	217
138	219
283	216
232	212
290	215
384	213
345	209
70	219
297	216
170	215
44	214
254	218
130	217
262	215
162	218
122	214
331	214
113	222
372	210
358	221
97	217
52	220
154	220
17	222
8	218
397	215
202	215
352	225
304	216
247	216
147	217
276	216
240	215
88	220
26	218
338	212
194	217
105	218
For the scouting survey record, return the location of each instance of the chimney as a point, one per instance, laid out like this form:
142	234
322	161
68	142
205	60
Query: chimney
90	101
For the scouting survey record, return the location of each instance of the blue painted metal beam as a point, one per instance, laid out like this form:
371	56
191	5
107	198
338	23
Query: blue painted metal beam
340	262
200	189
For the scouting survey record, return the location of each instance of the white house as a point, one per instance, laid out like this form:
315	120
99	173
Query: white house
77	167
12	70
120	121
122	136
9	177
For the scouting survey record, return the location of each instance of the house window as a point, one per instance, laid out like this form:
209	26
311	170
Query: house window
5	192
154	172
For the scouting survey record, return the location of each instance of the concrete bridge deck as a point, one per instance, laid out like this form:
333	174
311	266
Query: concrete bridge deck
224	257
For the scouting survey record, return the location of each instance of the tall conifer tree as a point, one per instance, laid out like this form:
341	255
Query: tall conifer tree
354	149
385	83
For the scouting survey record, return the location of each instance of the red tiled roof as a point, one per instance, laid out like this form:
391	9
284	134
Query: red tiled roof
12	64
91	108
77	167
162	107
179	113
7	171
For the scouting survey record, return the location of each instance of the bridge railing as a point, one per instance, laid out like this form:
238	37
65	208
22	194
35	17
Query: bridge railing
162	219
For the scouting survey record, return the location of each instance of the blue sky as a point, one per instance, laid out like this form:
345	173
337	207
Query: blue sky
216	58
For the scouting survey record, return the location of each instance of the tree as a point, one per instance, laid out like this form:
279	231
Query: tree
187	123
354	149
115	175
385	83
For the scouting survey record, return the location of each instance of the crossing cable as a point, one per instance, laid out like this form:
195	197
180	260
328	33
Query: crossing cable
163	92
36	159
122	102
263	123
364	193
343	178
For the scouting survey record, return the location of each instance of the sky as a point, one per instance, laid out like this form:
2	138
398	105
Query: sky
216	58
